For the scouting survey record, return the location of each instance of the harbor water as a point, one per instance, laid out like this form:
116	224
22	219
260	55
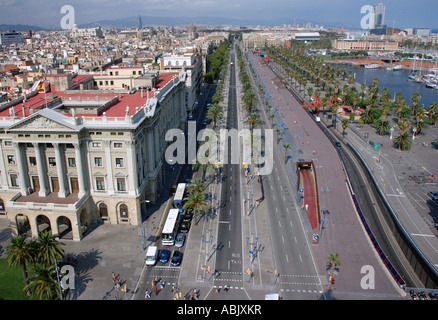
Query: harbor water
395	81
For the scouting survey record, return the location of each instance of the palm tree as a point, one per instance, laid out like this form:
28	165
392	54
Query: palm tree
250	100
204	166
196	201
43	282
48	248
344	125
431	110
382	126
285	146
253	120
20	253
196	185
332	262
415	98
214	113
403	141
419	113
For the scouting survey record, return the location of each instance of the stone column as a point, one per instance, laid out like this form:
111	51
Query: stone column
22	169
42	176
63	191
4	177
109	167
80	168
131	172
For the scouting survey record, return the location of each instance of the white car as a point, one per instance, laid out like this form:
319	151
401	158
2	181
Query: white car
180	239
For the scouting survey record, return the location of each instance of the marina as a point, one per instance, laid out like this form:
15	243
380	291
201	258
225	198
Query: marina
402	80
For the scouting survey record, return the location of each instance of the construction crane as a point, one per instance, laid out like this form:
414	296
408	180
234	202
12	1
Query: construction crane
393	24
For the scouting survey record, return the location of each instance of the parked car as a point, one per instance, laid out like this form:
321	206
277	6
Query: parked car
433	195
164	256
185	226
176	258
180	239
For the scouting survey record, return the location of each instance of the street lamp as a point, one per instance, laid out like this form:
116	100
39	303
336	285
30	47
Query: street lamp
141	222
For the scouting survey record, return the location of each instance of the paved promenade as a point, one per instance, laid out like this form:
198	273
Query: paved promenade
342	223
405	177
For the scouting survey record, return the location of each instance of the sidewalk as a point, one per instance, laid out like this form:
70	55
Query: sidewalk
394	172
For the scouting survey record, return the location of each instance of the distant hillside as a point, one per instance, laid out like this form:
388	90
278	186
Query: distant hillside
132	21
19	27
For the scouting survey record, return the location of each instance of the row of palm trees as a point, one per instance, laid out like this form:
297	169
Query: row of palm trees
195	200
37	258
378	106
250	105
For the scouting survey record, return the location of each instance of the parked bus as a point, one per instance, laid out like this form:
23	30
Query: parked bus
170	229
179	195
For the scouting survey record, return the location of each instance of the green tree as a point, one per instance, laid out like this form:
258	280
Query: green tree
43	282
196	201
286	146
332	262
215	112
21	252
403	141
48	248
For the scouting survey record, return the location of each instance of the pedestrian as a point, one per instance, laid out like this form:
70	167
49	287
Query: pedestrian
226	288
217	290
113	275
147	295
156	291
307	207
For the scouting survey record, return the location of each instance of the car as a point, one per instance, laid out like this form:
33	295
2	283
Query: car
338	144
185	226
176	258
434	195
187	217
180	239
164	255
204	122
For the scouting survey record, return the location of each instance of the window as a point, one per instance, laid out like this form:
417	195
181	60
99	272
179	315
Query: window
121	184
96	145
118	145
71	162
8	143
32	161
100	183
11	159
14	180
119	163
123	211
52	162
98	162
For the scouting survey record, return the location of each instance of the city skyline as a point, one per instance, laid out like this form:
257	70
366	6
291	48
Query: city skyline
47	14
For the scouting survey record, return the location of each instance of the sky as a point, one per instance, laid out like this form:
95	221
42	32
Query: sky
332	13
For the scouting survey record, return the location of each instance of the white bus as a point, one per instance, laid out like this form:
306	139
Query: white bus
179	195
170	228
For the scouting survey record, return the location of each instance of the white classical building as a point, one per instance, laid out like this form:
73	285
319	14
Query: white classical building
74	157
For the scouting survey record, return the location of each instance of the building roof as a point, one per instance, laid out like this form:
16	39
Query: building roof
118	109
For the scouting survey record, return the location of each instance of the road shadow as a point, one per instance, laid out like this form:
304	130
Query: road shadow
86	261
